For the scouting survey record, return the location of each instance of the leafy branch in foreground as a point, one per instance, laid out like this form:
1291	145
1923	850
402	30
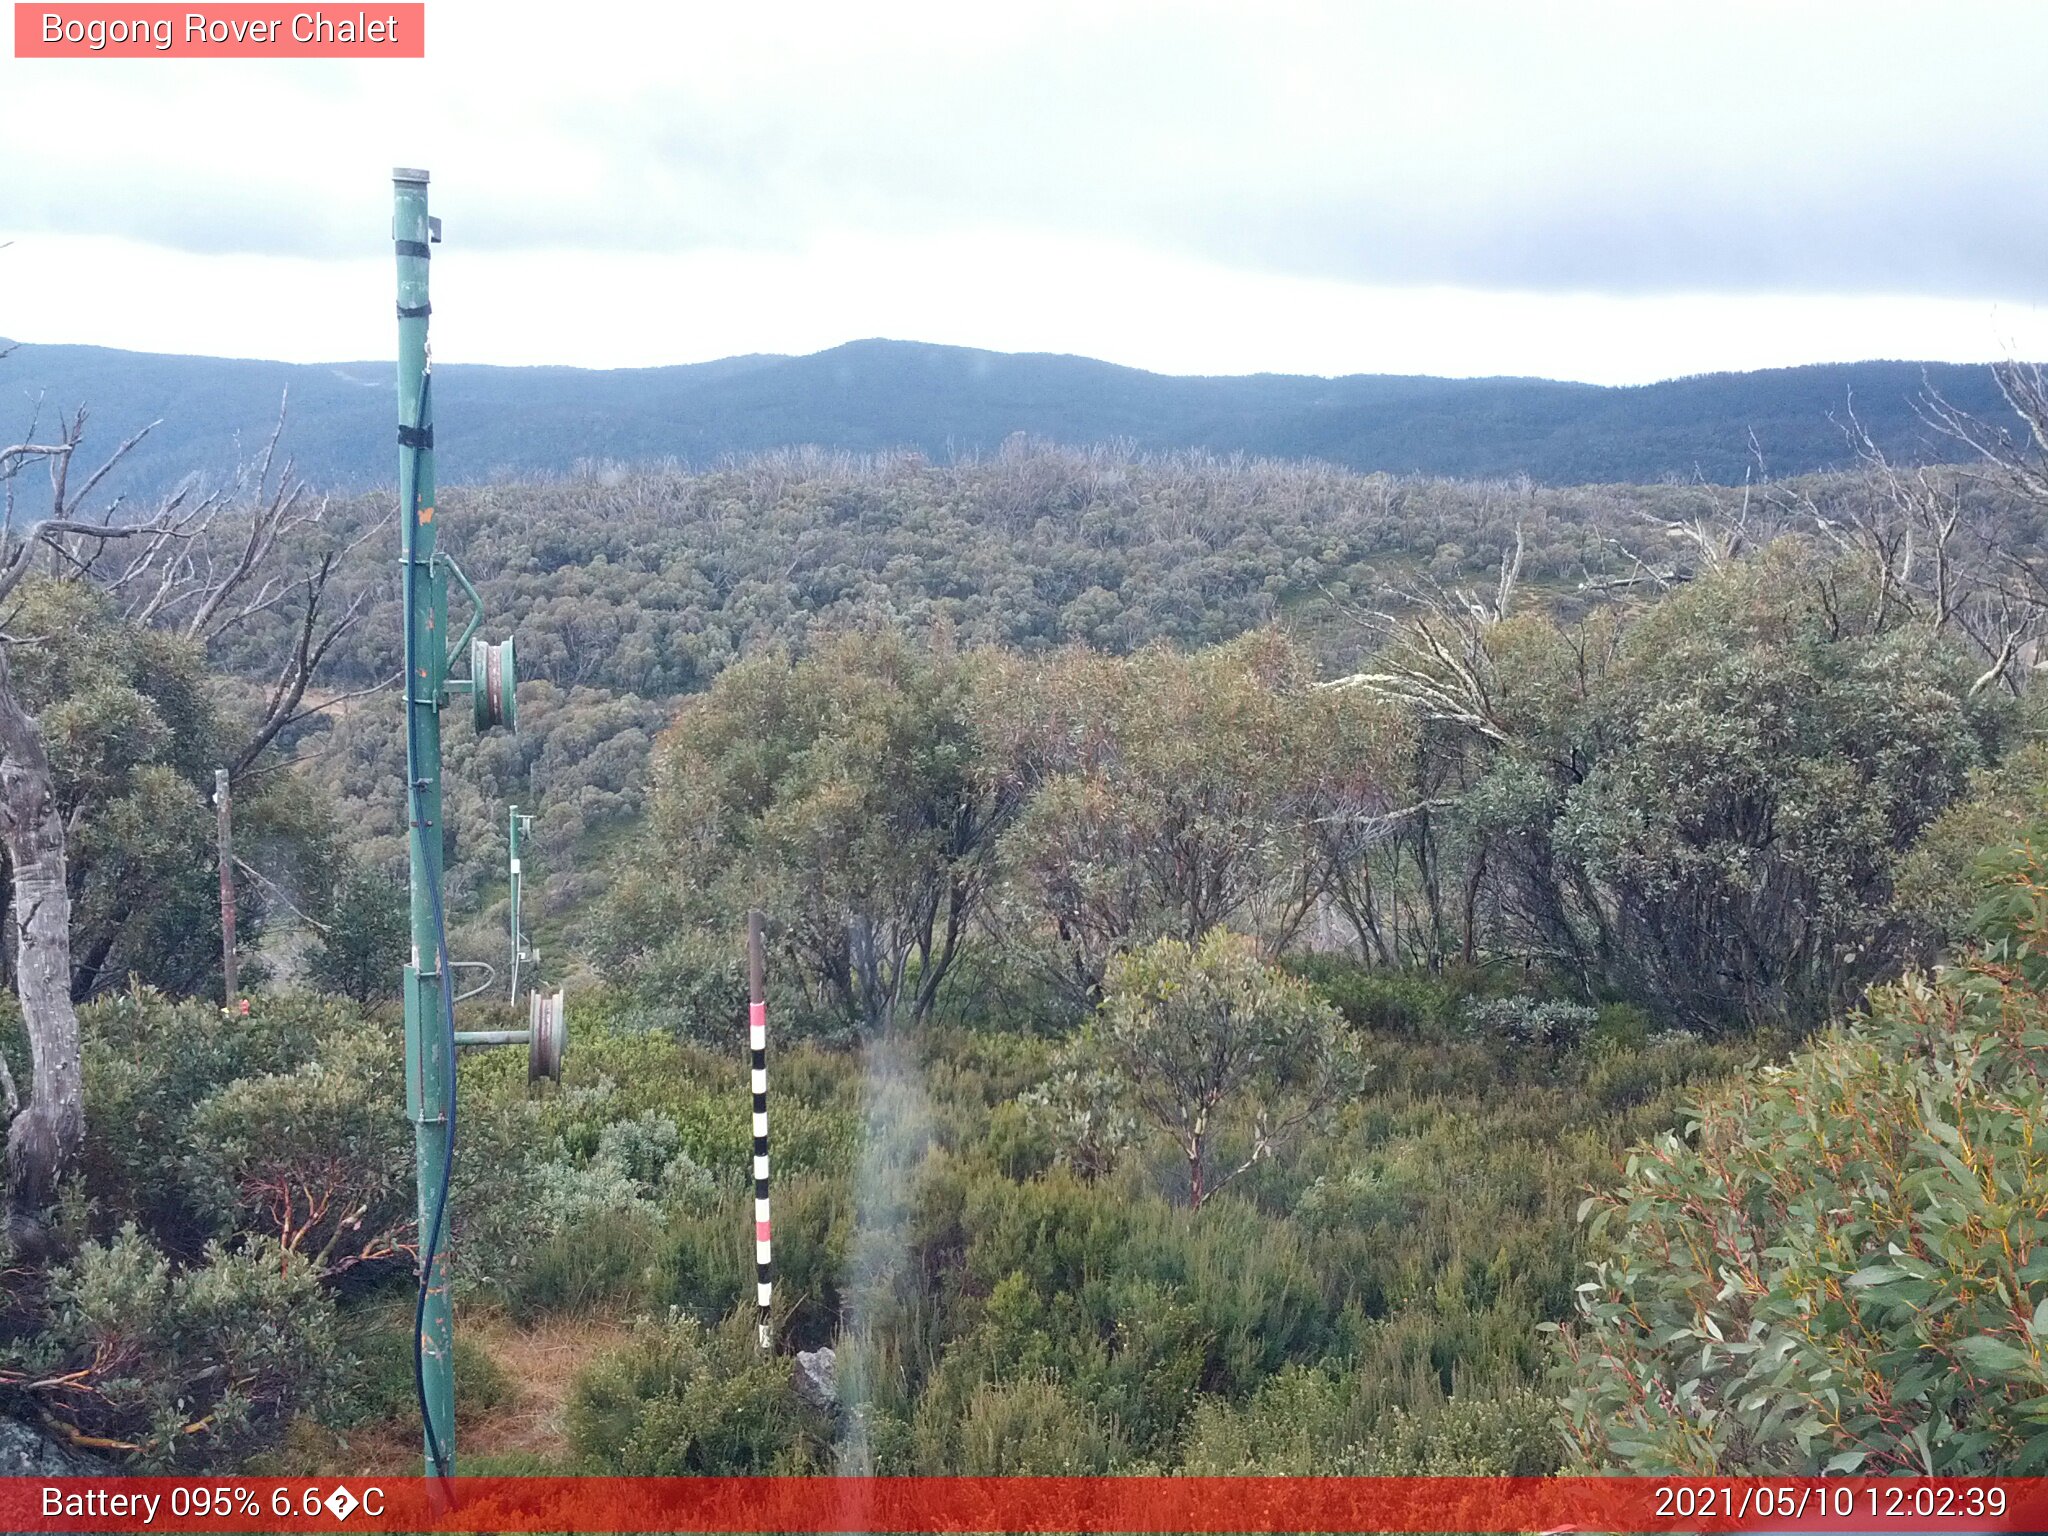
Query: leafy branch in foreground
1843	1266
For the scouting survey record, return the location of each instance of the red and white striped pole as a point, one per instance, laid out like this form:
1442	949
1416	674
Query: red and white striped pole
757	1047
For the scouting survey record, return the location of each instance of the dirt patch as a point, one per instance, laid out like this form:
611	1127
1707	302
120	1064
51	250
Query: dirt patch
536	1368
388	1448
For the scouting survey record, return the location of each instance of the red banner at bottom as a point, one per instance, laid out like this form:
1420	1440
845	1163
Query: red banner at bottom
991	1504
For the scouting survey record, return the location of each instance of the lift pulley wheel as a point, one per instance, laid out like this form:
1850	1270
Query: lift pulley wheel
493	685
547	1036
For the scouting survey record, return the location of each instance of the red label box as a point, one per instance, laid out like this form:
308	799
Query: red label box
374	30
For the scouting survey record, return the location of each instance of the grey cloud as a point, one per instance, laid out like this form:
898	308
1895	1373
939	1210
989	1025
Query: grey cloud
1868	149
1960	237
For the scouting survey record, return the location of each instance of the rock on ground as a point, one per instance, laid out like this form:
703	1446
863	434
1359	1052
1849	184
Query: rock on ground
816	1378
25	1452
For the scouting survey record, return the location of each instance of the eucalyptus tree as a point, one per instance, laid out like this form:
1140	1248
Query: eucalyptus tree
1212	1045
194	568
842	792
1701	801
1169	793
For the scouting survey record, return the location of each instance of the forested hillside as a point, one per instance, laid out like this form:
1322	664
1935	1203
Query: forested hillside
1273	969
952	402
630	591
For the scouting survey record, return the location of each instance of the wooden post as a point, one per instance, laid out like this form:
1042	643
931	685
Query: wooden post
227	887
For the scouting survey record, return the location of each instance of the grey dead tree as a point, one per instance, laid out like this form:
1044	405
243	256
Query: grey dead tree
1436	659
1931	553
1677	550
1933	560
2002	606
200	563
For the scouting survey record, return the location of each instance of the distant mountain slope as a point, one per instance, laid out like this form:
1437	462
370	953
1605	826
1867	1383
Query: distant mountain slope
875	395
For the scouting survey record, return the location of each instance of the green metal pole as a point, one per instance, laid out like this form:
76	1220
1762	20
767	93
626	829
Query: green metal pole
427	1059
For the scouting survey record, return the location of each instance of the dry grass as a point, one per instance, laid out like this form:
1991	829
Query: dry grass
541	1363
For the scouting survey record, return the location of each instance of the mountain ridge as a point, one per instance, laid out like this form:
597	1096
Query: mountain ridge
879	394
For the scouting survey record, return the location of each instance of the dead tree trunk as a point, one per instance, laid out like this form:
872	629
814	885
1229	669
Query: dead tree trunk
45	1134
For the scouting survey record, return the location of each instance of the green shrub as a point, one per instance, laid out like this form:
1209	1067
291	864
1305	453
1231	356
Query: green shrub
813	1076
177	1367
1248	1280
1622	1027
364	943
1529	1021
1495	1433
1009	988
376	1339
1026	1428
148	1064
1294	1426
685	1401
1304	1422
1219	1052
317	1157
693	988
1937	887
1082	1115
481	1384
1132	1304
707	1268
604	1258
1400	1003
1018	1143
636	1166
1621	1079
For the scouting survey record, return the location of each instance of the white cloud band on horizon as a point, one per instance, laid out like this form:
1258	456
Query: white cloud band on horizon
1007	291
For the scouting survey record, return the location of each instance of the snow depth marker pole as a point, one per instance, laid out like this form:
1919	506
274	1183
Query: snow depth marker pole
757	1047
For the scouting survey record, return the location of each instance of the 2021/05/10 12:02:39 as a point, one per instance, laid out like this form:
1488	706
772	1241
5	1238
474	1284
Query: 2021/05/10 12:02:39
1878	1501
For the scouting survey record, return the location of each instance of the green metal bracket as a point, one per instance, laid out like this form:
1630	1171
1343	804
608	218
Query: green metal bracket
476	615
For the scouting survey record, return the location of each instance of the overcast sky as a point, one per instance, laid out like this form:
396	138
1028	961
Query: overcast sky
1607	192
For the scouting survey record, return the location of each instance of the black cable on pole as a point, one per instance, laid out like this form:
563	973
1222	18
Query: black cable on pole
415	787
